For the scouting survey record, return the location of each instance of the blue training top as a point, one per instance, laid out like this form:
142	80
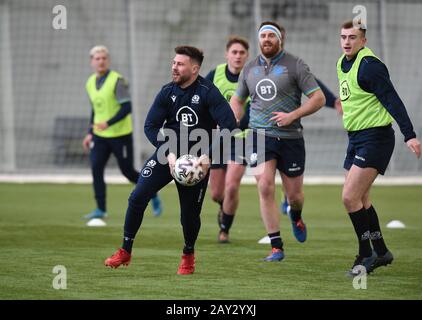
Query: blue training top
201	105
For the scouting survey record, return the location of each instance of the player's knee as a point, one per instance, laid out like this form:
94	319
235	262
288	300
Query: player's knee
131	175
138	197
266	188
232	189
296	199
217	195
349	200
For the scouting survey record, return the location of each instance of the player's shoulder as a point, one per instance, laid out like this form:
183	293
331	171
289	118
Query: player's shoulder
292	59
372	65
167	88
207	89
371	60
204	84
211	74
250	64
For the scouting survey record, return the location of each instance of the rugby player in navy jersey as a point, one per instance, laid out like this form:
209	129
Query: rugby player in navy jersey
188	103
370	103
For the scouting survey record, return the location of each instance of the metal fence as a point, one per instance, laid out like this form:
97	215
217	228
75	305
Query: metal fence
44	109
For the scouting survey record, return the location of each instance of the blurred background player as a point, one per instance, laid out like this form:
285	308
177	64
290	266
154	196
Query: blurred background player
370	103
225	179
110	128
275	81
188	103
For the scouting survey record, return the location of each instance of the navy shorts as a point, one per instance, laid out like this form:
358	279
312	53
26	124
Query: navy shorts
219	162
238	151
289	154
370	148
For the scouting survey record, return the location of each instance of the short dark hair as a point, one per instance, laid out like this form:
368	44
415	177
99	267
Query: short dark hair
275	24
349	24
236	39
192	52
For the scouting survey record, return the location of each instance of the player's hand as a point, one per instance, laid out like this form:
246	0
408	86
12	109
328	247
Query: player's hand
87	141
415	146
101	126
338	106
283	118
204	162
171	158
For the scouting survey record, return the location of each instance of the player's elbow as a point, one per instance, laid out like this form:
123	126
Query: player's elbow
319	98
237	106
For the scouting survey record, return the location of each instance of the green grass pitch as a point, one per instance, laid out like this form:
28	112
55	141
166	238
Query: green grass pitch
41	227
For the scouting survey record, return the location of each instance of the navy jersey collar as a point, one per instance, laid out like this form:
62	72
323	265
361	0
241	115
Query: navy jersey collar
231	76
193	84
346	65
100	81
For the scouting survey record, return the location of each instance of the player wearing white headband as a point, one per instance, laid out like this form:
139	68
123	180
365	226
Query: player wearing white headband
275	81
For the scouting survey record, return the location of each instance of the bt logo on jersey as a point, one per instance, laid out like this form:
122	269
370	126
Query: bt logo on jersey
187	116
266	89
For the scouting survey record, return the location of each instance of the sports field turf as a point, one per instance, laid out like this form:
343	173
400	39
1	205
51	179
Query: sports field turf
41	227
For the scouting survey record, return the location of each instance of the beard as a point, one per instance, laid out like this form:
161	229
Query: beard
269	50
179	79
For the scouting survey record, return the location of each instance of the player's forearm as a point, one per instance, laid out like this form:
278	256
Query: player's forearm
91	122
395	106
125	109
330	98
312	105
236	103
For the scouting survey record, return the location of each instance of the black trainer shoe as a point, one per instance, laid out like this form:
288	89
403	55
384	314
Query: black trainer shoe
366	262
380	261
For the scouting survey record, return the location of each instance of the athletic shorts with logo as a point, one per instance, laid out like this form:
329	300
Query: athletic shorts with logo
289	154
370	148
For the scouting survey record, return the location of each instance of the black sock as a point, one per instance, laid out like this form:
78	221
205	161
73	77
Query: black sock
127	244
376	235
295	215
276	240
226	222
360	220
188	249
101	204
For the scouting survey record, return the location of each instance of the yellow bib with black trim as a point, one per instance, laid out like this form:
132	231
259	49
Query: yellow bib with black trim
228	89
106	106
361	109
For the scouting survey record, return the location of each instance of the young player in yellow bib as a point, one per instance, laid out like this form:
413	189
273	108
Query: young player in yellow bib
225	176
370	103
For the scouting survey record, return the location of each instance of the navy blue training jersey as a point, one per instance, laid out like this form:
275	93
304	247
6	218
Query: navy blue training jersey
201	105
